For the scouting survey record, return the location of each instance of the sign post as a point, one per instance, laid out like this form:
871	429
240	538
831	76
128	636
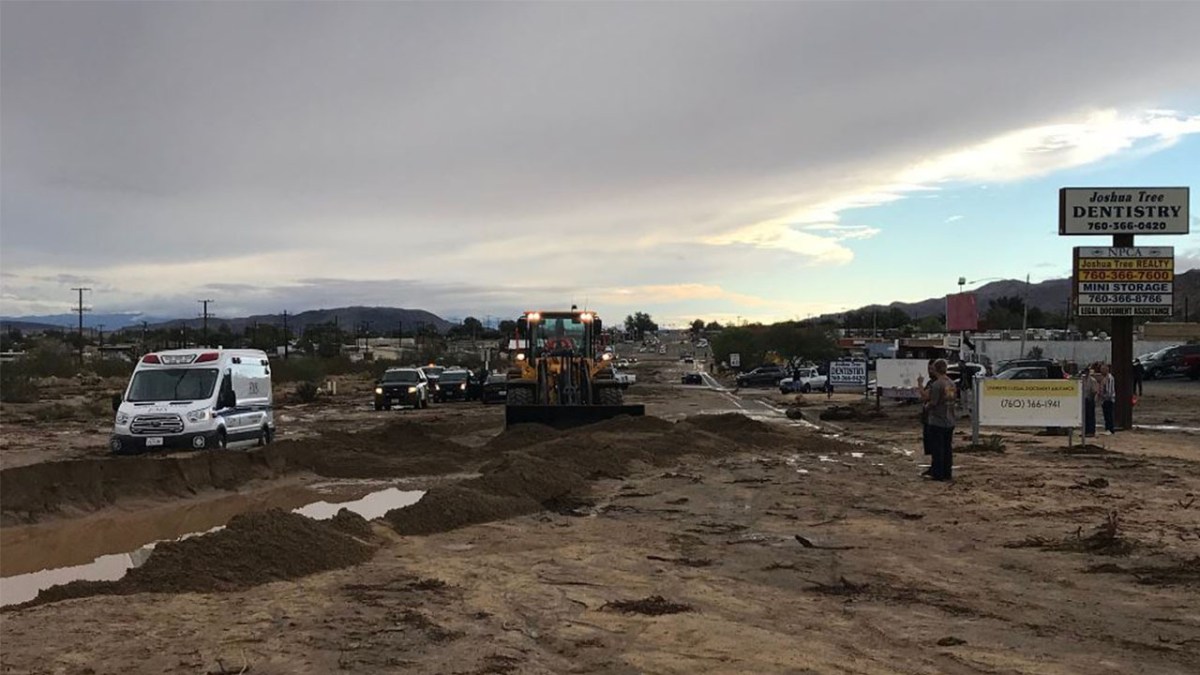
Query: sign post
1123	213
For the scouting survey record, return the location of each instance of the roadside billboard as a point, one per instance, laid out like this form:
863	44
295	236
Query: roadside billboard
1031	403
961	312
1123	210
897	378
848	373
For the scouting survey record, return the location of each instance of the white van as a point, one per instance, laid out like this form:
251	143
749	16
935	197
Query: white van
195	398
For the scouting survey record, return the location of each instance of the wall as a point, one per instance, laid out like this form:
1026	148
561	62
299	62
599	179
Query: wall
1082	351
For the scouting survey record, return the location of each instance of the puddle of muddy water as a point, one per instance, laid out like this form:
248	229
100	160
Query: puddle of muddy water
39	557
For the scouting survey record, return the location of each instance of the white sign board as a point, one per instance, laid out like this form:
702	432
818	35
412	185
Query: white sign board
848	373
1124	281
1031	403
898	377
735	360
1123	210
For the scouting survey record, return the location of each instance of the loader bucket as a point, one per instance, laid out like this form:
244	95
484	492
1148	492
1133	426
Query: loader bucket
567	416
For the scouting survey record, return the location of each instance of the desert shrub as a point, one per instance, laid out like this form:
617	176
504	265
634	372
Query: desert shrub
307	392
297	370
112	368
51	359
16	384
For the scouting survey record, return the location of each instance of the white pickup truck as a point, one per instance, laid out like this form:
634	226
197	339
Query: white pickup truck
808	380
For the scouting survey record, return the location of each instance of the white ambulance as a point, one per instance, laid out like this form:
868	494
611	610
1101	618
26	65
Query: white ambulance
195	398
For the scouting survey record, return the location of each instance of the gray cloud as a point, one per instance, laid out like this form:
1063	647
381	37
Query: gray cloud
532	145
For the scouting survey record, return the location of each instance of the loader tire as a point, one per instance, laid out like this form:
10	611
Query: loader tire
611	396
520	396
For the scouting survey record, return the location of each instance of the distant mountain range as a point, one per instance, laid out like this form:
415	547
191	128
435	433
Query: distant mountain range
1049	296
380	319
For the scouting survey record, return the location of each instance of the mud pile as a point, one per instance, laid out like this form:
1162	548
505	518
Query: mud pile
522	481
255	548
401	448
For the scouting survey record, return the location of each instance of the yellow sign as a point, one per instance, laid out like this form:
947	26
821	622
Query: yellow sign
1134	264
1125	275
1046	388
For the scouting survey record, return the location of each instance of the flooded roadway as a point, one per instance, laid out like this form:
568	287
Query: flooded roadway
105	546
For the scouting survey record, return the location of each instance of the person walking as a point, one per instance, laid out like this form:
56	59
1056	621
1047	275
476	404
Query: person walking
1108	397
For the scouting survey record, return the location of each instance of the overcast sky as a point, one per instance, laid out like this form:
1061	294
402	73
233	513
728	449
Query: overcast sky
767	160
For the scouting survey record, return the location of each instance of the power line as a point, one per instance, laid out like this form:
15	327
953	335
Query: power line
81	309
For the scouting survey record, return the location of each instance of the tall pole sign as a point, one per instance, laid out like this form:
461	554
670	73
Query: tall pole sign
1123	281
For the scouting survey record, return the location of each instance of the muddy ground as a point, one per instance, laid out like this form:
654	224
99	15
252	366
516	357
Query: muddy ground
692	542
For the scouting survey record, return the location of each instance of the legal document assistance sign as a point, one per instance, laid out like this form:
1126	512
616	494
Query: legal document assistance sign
1123	210
1124	281
1030	403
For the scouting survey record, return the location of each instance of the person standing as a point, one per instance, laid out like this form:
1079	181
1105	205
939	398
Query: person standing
1139	374
1090	388
1108	397
923	388
941	423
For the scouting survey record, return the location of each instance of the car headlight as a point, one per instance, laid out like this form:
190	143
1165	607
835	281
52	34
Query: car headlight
379	390
197	415
122	419
412	390
463	386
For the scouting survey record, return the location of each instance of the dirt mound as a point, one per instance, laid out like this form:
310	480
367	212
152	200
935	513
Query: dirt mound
729	424
645	424
349	522
851	413
402	448
545	474
255	548
521	436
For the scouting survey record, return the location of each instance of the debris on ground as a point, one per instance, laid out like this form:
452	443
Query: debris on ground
655	605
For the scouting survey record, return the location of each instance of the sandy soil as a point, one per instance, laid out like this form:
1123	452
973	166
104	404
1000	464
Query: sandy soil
779	551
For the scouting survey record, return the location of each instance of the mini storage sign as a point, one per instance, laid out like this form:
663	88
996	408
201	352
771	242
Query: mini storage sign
1124	281
1123	210
1030	403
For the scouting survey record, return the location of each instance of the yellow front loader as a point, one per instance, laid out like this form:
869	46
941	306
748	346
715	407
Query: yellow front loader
562	375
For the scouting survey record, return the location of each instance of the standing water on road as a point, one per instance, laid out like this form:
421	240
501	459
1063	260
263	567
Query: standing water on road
38	557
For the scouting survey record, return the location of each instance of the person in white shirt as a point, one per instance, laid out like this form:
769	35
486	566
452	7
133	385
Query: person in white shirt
1108	397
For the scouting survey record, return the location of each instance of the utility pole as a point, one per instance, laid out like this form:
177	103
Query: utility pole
81	309
205	304
145	326
1025	316
285	336
100	331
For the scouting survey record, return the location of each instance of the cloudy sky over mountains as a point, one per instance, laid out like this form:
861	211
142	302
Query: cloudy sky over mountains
765	160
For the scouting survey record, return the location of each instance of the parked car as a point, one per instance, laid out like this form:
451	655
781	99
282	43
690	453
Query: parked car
1153	364
807	380
454	385
402	386
692	378
1054	371
763	376
1025	373
495	389
1177	360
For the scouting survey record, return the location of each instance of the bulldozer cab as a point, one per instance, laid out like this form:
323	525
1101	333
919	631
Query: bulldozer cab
561	334
563	377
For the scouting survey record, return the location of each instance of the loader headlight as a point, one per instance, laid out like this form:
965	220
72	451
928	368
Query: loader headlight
521	357
412	390
379	390
122	419
607	356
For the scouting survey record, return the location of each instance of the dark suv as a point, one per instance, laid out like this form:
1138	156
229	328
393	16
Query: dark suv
1181	360
455	385
763	376
402	386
